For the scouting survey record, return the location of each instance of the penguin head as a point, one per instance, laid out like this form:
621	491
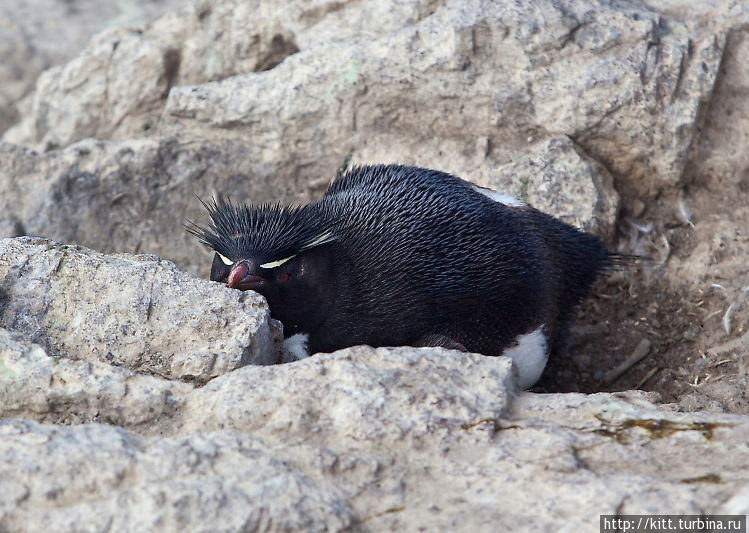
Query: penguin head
280	252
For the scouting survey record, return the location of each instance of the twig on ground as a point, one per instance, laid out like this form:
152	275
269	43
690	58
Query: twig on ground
647	377
642	349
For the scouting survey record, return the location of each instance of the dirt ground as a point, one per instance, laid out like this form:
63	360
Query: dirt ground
686	312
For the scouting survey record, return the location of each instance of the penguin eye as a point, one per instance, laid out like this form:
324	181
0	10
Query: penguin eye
285	276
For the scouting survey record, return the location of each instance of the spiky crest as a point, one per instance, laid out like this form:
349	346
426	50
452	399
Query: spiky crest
266	231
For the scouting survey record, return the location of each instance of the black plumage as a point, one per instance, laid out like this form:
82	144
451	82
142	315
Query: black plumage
394	255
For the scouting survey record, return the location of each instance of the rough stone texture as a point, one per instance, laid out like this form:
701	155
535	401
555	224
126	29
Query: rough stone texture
135	195
97	477
609	76
557	177
139	312
436	50
98	98
388	439
68	391
360	440
132	197
380	396
123	76
36	34
18	70
719	157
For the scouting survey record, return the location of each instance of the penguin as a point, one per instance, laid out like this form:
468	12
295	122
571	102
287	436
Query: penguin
395	255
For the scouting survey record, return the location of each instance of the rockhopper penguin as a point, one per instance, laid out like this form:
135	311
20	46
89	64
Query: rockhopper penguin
394	255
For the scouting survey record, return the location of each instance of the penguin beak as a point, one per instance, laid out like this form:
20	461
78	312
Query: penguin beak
241	278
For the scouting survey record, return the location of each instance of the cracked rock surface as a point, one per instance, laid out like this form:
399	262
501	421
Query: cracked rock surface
38	34
138	312
361	440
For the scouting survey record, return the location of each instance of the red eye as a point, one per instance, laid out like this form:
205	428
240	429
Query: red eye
285	276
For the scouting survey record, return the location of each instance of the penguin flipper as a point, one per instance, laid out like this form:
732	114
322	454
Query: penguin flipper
438	340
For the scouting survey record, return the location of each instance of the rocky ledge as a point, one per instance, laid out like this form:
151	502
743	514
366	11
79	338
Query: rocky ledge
178	432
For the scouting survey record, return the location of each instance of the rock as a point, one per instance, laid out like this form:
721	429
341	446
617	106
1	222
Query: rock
19	68
586	75
131	197
97	477
583	77
118	84
552	101
387	439
109	96
112	196
356	395
457	433
265	122
738	504
715	159
65	391
558	178
134	311
37	34
554	176
626	82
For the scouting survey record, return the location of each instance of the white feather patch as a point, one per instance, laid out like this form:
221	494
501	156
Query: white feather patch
296	346
225	260
499	197
322	239
274	264
529	357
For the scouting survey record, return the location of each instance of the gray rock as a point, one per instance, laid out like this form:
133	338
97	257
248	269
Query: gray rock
624	81
462	443
139	312
133	197
546	100
37	34
388	439
66	391
558	178
436	94
108	96
18	70
554	176
421	85
118	84
357	395
96	477
627	83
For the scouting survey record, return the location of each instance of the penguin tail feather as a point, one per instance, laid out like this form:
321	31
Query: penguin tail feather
619	262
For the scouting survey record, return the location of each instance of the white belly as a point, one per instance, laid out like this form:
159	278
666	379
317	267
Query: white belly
296	347
529	356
